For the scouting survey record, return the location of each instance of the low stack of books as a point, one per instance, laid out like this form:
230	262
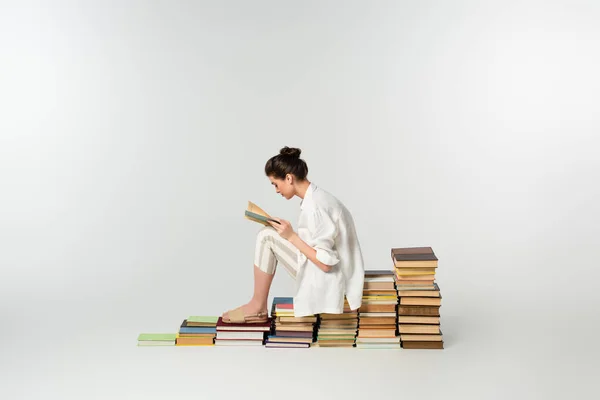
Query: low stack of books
197	331
287	330
157	339
419	298
377	315
249	334
338	330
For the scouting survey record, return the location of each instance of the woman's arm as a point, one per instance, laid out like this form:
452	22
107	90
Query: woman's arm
308	251
284	228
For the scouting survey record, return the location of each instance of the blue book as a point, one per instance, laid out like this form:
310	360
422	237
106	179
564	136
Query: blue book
283	300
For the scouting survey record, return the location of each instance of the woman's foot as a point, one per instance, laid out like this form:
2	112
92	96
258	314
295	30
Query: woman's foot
249	309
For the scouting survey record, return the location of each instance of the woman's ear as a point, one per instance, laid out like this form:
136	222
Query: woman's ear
290	179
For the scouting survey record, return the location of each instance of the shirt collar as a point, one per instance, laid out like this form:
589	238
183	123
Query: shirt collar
307	200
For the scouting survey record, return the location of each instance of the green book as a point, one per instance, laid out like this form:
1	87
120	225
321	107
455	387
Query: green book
259	217
203	319
257	214
157	336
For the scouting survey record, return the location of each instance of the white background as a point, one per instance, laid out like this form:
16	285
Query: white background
133	133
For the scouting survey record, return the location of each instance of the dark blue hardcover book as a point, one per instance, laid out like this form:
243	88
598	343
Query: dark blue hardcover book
283	300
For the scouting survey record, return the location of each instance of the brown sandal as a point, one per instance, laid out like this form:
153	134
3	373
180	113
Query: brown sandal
237	317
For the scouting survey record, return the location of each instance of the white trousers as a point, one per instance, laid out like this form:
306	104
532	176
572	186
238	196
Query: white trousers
272	249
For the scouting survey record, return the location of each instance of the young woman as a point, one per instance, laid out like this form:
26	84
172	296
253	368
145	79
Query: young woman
323	256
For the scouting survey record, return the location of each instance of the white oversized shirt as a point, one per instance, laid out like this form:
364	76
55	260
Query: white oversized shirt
326	225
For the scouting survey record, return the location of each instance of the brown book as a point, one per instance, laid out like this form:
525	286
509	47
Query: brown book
415	257
410	319
419	328
419	310
337	317
377	308
420	338
407	292
420	301
195	341
423	345
278	323
414	283
378	326
413	253
378	273
379	285
405	271
375	333
418	293
327	324
412	250
337	330
424	279
377	320
368	292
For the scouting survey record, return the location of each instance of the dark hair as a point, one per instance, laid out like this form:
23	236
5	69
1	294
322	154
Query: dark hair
288	161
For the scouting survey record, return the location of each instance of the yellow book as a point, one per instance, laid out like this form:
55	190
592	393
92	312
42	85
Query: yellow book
403	272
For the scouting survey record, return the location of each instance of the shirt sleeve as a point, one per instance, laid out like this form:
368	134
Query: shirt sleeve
323	236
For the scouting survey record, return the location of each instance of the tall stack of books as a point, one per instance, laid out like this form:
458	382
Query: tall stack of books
377	315
248	334
287	330
157	339
419	298
338	330
197	331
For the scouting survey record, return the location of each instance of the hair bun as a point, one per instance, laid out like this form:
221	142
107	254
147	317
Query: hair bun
290	151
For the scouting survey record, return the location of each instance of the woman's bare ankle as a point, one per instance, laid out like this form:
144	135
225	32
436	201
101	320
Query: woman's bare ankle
256	306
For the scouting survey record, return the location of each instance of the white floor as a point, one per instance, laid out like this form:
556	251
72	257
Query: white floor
495	355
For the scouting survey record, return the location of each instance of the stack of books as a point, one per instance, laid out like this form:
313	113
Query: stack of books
157	339
197	331
287	330
338	330
248	334
377	318
419	298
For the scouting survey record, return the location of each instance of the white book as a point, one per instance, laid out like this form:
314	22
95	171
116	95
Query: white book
238	342
240	335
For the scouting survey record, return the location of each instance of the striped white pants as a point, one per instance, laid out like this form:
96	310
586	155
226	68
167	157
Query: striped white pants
272	249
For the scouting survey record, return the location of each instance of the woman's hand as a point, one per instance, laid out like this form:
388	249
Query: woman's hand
284	228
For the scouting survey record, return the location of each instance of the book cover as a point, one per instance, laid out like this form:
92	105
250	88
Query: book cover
257	214
203	319
283	300
412	250
373	272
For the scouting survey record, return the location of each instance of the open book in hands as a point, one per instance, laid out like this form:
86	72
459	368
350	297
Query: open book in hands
257	214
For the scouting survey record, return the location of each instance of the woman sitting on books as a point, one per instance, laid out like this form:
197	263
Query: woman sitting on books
323	256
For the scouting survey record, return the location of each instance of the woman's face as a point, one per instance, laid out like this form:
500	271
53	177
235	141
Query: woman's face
283	187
